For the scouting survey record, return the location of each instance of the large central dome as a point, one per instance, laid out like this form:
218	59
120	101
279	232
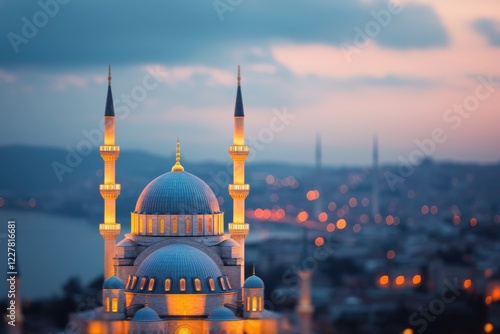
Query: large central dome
177	192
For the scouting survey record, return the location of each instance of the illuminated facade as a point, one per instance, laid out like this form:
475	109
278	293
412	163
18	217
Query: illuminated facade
178	271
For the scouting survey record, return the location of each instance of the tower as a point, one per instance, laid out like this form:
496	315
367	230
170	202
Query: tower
109	189
238	189
375	194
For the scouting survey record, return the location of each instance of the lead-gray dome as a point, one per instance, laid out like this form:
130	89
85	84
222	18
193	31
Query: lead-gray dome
146	314
253	282
179	261
113	282
177	193
222	313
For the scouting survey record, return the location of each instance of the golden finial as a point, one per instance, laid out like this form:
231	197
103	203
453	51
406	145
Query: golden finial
147	301
253	269
239	75
109	75
178	167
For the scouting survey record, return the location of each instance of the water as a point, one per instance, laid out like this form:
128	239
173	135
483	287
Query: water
50	249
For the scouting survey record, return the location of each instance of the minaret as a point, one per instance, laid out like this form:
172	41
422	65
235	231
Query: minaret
109	190
238	189
375	191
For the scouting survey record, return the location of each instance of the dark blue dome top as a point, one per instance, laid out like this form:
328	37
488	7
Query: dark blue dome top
177	193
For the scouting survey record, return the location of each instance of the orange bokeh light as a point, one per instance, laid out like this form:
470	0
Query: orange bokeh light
302	216
417	279
312	195
330	227
323	217
384	280
389	220
425	209
341	224
473	222
467	283
400	280
319	241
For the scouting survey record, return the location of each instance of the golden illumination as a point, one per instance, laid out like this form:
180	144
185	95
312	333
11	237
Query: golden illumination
108	304
114	304
182	284
142	284
200	225
168	284
341	224
151	284
496	294
150	226
254	303
175	226
384	280
178	167
184	330
211	284
188	226
197	284
162	226
248	303
408	331
488	328
400	280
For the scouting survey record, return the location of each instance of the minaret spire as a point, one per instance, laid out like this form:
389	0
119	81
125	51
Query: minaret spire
239	190
375	185
178	167
109	229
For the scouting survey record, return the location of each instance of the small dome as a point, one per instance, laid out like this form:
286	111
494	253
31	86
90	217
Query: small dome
146	314
253	282
229	243
177	193
179	261
113	282
222	313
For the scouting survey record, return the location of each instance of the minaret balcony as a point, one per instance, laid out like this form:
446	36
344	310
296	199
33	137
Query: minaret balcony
239	191
110	191
238	231
109	152
239	152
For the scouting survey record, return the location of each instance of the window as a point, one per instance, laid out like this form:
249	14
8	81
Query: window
221	226
141	226
210	226
260	303
248	303
128	282
142	285
174	226
188	226
151	285
197	284
134	281
114	305
211	284
200	225
150	226
162	226
182	284
108	307
227	283
168	284
222	283
254	303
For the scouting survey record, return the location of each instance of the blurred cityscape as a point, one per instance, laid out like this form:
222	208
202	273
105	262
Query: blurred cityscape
402	248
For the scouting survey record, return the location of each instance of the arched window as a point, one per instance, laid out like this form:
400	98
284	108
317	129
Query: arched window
222	283
108	306
150	226
128	282
227	283
210	226
182	284
134	282
254	303
141	226
142	284
151	284
168	284
162	226
114	305
248	303
200	225
188	226
211	284
175	226
260	303
197	284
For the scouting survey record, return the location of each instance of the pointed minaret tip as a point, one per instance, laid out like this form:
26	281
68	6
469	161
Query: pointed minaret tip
239	76
109	75
253	270
178	167
238	108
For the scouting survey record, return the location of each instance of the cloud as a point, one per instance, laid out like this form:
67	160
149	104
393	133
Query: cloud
95	32
7	77
489	29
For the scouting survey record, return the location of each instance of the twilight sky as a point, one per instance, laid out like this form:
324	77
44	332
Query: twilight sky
422	73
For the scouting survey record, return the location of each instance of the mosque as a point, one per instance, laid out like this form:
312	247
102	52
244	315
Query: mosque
178	271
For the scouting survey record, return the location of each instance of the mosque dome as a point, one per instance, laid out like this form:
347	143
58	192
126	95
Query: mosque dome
177	192
113	282
146	314
253	282
180	262
222	313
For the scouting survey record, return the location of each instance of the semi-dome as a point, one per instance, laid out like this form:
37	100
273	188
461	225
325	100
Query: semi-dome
222	313
146	314
177	192
113	282
253	282
177	262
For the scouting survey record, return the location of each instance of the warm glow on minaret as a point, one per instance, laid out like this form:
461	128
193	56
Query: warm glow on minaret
109	190
238	189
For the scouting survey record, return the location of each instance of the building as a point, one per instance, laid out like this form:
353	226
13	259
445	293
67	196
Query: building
178	271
